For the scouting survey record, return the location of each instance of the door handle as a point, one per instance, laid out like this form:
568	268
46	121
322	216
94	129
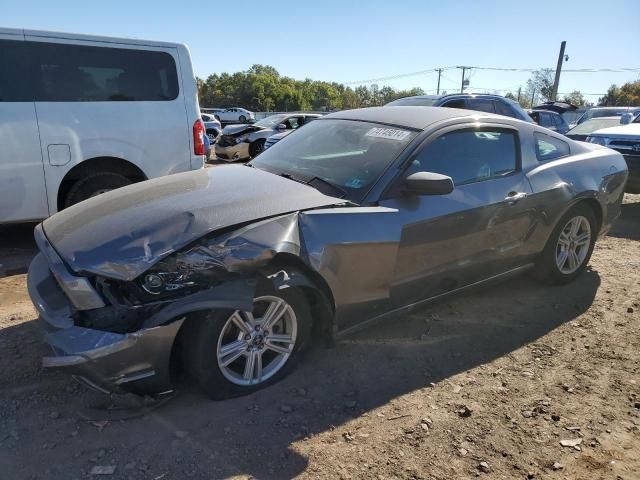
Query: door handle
515	197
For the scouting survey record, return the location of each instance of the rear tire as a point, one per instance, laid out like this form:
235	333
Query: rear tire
93	185
553	266
208	343
242	118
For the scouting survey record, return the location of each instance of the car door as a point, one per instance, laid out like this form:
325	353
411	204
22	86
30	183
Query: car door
23	195
477	231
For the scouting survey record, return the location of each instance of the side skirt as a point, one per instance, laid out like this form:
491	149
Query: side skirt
412	306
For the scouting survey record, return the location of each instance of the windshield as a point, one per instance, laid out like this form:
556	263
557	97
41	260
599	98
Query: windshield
271	121
414	101
592	125
349	155
605	112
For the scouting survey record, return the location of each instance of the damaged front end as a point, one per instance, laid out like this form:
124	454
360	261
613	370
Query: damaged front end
122	340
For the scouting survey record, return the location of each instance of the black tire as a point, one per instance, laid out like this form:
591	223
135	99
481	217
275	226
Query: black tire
256	148
242	119
94	185
546	268
199	343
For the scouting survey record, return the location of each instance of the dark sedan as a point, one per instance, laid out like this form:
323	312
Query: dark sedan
231	272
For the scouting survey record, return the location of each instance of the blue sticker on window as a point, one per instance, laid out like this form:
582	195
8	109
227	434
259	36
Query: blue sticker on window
354	183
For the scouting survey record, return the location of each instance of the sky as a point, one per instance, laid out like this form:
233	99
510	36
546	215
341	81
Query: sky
352	41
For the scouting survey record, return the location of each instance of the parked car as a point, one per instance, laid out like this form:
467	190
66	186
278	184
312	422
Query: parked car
241	142
276	137
548	119
233	272
480	102
234	115
212	126
77	113
626	140
586	128
598	112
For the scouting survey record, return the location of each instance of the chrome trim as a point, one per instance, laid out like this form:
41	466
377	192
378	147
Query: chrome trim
78	289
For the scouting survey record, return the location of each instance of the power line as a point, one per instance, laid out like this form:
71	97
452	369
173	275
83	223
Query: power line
499	69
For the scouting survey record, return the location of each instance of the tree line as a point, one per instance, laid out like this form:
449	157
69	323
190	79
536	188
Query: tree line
262	88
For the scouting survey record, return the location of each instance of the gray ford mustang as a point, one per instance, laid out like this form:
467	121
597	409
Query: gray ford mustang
230	273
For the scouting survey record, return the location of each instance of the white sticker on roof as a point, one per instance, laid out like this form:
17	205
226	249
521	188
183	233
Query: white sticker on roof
390	133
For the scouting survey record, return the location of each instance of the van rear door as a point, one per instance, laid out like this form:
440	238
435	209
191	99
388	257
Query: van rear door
101	99
22	188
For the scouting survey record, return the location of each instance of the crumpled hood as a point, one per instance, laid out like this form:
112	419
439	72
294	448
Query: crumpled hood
239	129
122	233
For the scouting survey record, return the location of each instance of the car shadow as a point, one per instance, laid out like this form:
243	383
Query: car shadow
17	248
628	225
256	435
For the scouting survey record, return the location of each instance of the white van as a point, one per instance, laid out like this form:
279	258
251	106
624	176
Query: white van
81	115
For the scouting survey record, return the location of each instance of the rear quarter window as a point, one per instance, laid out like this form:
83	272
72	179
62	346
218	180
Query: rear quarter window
550	148
80	73
14	75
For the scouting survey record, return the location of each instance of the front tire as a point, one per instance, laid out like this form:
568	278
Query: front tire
256	148
569	247
235	353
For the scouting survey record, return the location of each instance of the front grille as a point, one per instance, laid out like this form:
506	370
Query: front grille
226	141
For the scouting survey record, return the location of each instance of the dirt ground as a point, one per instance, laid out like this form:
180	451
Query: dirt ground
487	385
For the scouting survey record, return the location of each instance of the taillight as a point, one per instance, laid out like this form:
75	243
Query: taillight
198	137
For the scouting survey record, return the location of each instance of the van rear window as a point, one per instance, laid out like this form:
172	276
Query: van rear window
79	73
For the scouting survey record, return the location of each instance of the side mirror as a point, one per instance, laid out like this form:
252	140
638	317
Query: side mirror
428	183
281	126
626	118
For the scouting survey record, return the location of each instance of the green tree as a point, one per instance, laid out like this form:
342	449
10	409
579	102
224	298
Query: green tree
627	95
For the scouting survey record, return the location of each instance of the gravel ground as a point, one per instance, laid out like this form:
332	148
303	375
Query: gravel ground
516	381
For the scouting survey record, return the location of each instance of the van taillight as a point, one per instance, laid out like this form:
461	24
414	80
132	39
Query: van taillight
198	137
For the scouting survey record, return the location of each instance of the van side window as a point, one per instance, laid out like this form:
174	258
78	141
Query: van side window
80	73
550	148
14	75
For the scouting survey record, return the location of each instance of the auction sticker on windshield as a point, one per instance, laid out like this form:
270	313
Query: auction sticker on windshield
390	133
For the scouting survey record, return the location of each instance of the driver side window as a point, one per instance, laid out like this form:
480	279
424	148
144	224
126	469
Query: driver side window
469	156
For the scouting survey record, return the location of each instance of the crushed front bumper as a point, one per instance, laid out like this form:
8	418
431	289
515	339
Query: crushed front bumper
231	153
110	362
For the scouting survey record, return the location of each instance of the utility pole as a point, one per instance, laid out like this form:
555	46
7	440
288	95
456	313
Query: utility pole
556	81
439	70
519	91
464	69
533	95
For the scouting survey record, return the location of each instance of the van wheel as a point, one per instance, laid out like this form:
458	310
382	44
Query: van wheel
94	185
256	148
233	353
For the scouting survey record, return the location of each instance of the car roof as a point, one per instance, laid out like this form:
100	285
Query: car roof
415	117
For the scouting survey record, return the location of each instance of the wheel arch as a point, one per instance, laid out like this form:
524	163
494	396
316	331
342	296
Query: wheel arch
95	165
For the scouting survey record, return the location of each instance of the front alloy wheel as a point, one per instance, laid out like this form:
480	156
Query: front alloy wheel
254	346
233	353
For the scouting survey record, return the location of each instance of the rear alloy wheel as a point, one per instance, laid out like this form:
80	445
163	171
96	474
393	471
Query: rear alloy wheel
569	247
256	148
234	353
